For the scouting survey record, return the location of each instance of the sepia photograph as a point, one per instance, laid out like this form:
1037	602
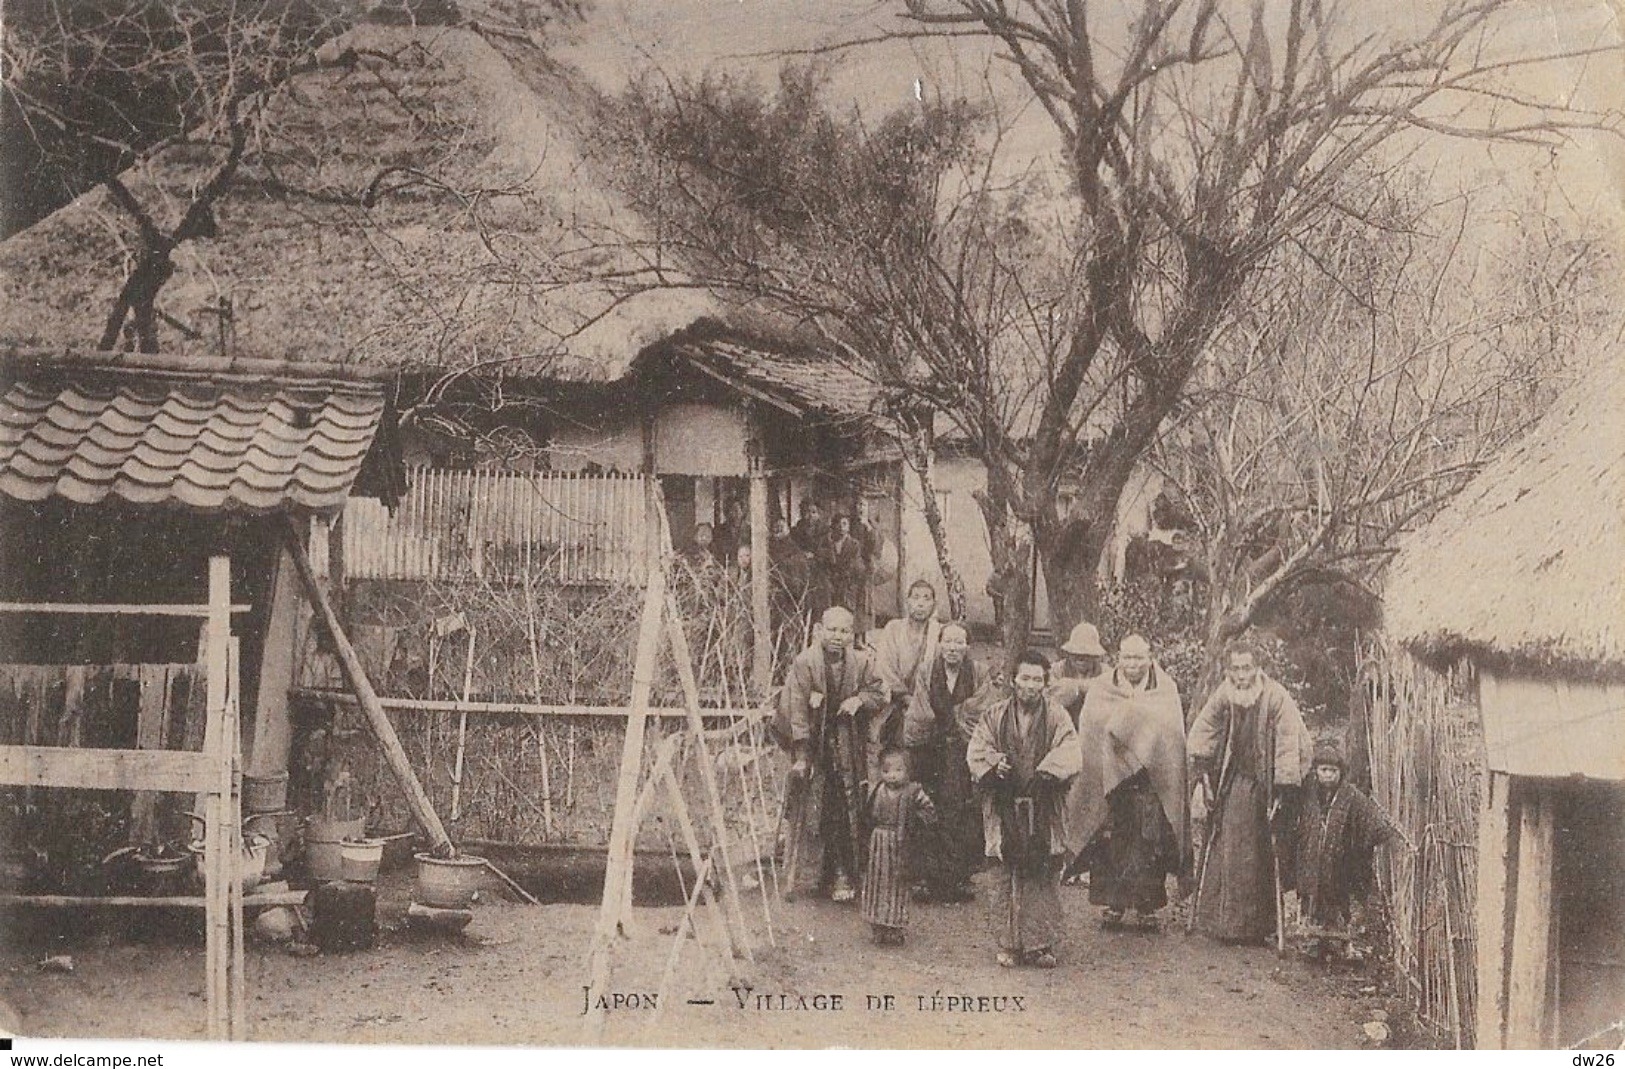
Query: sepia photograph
807	524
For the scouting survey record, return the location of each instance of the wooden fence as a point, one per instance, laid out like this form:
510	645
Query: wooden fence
500	526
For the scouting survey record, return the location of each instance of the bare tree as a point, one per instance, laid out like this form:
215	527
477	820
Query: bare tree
1363	386
207	91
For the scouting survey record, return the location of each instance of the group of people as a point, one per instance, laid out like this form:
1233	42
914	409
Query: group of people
912	766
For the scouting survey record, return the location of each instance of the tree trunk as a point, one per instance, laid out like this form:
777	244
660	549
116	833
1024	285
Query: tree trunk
1010	543
1069	553
919	458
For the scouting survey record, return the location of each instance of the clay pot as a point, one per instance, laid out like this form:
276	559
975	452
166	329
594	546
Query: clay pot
448	882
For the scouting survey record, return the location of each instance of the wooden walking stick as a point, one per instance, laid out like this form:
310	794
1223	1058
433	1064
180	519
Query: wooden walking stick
1280	896
1215	810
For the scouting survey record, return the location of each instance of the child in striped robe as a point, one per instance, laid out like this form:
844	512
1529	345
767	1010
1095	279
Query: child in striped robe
896	808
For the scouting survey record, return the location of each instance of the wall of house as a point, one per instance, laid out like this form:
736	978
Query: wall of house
690	439
957	479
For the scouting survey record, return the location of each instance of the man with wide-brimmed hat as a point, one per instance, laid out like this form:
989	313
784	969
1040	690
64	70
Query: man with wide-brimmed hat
1338	827
1084	655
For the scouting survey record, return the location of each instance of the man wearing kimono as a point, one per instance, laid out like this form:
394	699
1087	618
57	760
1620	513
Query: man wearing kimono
1126	809
830	695
1250	750
1338	828
1079	671
1022	754
901	648
948	697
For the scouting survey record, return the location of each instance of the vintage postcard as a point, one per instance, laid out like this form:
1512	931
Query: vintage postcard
868	523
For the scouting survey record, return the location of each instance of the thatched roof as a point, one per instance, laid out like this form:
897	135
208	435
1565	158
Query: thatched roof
471	250
1526	567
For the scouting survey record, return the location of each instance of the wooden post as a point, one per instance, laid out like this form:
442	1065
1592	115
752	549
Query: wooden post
217	917
356	676
760	566
617	900
1497	877
273	734
1529	1002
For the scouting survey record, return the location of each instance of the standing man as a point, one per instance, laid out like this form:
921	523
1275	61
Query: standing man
937	726
1250	750
1126	809
831	694
901	649
1084	655
1023	753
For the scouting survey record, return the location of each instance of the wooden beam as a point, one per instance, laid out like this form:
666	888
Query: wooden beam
1497	876
424	705
250	900
273	732
761	563
108	770
86	608
617	900
1529	975
417	800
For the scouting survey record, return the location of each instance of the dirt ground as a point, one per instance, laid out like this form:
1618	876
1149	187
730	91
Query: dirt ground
516	976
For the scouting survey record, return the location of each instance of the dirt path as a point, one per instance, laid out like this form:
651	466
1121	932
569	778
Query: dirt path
516	979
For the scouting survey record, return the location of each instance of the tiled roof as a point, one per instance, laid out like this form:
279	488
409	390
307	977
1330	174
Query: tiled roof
805	379
154	437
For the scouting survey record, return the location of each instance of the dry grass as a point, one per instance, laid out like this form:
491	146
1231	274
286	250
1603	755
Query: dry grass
532	779
1427	766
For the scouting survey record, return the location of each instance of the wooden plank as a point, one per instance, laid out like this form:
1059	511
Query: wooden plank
149	735
273	731
250	901
113	770
1529	974
424	705
1497	875
82	608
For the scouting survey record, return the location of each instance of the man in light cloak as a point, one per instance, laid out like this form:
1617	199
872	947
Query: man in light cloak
1022	754
1250	750
1126	809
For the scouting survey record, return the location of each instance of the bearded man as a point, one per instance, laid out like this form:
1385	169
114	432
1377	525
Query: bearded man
1022	754
1126	810
1250	750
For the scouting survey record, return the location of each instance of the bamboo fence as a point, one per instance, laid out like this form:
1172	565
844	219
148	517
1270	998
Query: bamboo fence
1427	756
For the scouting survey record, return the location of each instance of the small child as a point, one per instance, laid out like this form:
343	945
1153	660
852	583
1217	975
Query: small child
895	808
1338	827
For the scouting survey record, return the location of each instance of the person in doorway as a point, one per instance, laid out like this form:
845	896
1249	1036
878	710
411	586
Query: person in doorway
1084	656
1249	750
812	534
1022	754
848	568
732	532
896	809
830	695
1338	828
948	695
1126	809
901	648
787	591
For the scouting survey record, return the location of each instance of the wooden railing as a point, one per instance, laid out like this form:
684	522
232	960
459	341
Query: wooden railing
501	525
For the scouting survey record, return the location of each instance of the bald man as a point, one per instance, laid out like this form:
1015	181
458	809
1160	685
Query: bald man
1126	810
832	694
